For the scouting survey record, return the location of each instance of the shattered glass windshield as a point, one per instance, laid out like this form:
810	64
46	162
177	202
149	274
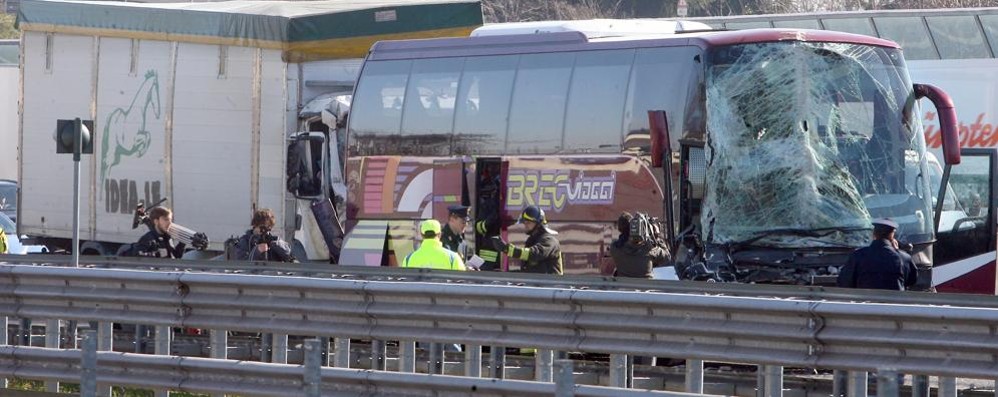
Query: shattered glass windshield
808	142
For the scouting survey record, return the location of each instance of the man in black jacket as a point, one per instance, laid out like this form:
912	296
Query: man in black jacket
542	252
881	265
259	244
636	252
157	242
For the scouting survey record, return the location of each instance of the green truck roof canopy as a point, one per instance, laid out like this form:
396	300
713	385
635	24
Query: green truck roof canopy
304	30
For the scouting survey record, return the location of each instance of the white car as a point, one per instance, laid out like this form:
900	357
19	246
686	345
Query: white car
14	245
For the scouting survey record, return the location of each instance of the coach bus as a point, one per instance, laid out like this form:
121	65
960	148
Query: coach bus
766	153
953	49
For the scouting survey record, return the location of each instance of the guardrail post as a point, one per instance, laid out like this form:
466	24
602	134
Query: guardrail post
88	375
947	386
887	383
919	386
760	381
219	343
840	383
219	347
164	335
436	361
774	381
52	341
326	357
497	362
312	378
857	384
24	338
473	361
341	358
618	370
694	376
266	347
279	352
71	331
378	353
105	342
542	365
564	378
3	342
407	356
140	334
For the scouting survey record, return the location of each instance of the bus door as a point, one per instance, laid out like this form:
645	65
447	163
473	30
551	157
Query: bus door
490	202
451	187
964	255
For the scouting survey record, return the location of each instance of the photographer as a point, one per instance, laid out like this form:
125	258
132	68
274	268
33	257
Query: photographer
259	244
635	252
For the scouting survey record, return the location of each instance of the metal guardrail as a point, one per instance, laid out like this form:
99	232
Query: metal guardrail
600	283
269	380
945	341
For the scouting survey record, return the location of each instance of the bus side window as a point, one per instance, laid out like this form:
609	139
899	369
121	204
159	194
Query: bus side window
377	107
662	79
428	116
536	117
482	105
599	87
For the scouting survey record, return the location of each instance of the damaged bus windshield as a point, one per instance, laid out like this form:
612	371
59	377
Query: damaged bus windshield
807	142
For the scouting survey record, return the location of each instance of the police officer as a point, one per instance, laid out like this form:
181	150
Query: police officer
453	234
542	251
431	253
881	265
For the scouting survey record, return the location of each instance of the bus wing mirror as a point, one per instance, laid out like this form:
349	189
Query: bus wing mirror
305	170
947	120
659	129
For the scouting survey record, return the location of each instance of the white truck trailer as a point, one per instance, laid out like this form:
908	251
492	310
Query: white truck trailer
204	104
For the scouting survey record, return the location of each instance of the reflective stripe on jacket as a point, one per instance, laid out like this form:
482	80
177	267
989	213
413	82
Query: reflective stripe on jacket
432	255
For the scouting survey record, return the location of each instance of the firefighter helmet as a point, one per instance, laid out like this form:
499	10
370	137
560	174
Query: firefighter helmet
533	214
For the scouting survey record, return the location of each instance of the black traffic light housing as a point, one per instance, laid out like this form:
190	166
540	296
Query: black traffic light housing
66	132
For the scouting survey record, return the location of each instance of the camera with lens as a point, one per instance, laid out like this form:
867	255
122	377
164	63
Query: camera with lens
266	237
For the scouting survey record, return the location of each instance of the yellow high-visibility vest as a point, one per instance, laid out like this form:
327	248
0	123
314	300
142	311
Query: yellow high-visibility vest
432	255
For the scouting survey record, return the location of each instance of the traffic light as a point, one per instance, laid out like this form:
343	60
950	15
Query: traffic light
66	133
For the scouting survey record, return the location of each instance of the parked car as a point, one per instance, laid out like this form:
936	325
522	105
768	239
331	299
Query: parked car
14	245
8	198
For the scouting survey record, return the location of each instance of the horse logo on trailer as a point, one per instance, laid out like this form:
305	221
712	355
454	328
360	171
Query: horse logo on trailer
126	144
119	141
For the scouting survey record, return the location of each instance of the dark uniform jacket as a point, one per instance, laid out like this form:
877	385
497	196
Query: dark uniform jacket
541	253
246	250
157	245
451	240
879	266
636	260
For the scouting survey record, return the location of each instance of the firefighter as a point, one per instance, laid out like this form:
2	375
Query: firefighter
431	253
636	251
453	234
542	251
489	224
881	265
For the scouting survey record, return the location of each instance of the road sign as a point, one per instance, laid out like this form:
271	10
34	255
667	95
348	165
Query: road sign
681	8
